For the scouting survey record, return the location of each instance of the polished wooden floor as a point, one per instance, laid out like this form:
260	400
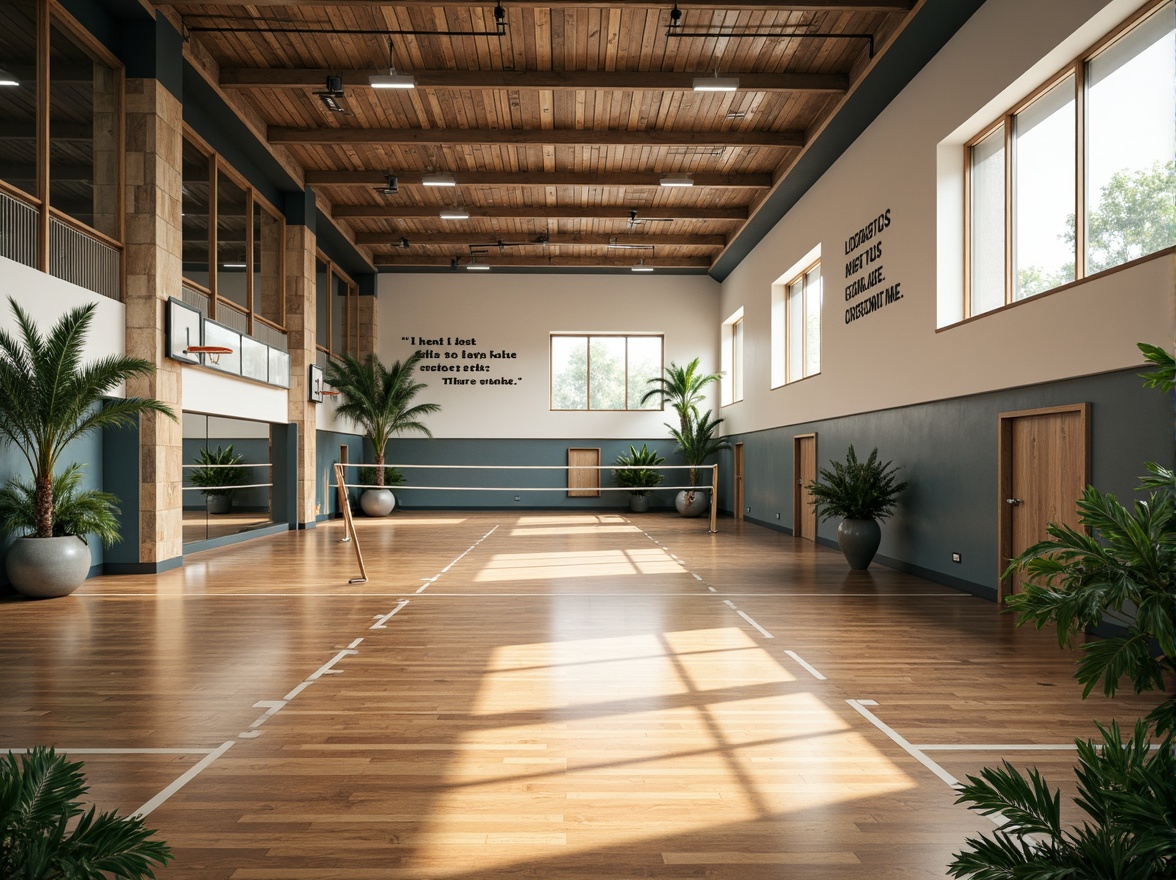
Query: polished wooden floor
530	695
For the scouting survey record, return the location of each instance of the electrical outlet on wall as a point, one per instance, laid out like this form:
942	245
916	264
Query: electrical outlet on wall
777	516
747	510
955	557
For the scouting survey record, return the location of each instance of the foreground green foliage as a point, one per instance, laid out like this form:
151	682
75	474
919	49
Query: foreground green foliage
1127	788
75	511
634	471
379	400
48	398
856	489
39	801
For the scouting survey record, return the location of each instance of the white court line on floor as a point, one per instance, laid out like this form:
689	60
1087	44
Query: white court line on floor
326	667
811	670
428	583
994	747
399	593
194	771
381	622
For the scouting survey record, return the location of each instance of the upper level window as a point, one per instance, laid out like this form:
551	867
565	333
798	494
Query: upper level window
336	311
731	383
796	321
1046	207
603	372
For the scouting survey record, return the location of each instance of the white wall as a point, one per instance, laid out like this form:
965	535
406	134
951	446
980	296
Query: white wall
517	314
908	162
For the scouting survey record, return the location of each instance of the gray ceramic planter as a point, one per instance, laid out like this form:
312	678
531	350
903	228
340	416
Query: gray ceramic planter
692	502
377	502
638	503
859	540
46	568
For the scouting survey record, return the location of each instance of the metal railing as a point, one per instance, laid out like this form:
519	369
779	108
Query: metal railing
80	258
18	230
195	297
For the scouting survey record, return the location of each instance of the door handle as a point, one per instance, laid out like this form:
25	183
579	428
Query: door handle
1013	501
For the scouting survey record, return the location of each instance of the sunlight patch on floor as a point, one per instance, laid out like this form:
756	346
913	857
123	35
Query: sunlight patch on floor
576	564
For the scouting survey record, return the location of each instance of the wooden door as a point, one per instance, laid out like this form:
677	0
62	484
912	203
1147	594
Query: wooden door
1044	467
804	472
583	473
738	481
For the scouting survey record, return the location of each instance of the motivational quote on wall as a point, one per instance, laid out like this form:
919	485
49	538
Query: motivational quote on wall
453	355
864	273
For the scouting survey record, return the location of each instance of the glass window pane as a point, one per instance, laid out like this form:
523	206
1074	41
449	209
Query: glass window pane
606	372
18	104
338	314
267	264
737	361
812	322
85	116
322	303
230	245
569	372
987	245
195	209
796	330
645	363
1044	192
1130	174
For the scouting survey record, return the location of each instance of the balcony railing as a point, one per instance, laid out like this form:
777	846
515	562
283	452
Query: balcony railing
18	230
82	259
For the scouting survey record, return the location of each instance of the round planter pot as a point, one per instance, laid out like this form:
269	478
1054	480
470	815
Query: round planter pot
377	502
638	503
859	540
219	504
692	502
45	568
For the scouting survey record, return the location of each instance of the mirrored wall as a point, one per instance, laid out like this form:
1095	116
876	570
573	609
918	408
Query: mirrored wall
228	477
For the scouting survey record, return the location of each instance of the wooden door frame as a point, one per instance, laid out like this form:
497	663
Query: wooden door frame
737	466
797	503
1004	516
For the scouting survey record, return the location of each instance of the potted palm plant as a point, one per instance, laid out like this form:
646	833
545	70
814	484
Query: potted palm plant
635	472
379	400
861	493
49	398
681	389
218	476
697	442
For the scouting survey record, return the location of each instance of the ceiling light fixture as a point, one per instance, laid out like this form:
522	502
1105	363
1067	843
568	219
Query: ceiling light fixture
7	79
438	179
641	267
455	214
716	83
392	79
478	267
676	180
390	187
332	94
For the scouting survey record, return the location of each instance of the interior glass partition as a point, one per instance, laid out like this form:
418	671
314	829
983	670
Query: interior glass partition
228	477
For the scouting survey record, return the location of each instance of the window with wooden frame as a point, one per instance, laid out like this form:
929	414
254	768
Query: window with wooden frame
244	286
1080	177
336	311
731	351
61	196
604	371
796	322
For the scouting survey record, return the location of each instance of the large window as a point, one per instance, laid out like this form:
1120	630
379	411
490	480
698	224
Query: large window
796	322
731	383
1046	206
336	312
603	372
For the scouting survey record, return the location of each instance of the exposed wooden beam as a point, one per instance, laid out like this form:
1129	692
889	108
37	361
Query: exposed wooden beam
538	178
517	240
604	261
59	131
554	137
555	80
564	212
766	5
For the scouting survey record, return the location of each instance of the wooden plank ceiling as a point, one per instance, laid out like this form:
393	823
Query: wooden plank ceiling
557	120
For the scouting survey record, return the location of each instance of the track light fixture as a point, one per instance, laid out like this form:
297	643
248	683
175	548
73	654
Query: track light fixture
392	79
455	214
332	95
641	267
390	187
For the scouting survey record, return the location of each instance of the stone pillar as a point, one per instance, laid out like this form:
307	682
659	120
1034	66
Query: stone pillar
154	269
369	329
300	338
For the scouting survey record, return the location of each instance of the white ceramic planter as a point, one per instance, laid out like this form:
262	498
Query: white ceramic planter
46	568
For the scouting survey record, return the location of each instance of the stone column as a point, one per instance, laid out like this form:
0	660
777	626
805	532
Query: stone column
300	338
154	269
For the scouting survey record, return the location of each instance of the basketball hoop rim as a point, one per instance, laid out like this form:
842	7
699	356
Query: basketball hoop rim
207	349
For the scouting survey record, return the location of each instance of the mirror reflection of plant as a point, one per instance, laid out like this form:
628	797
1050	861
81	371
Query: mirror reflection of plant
213	476
41	797
368	476
75	511
635	471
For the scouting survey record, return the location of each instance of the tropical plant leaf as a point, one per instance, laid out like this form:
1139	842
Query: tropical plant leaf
856	489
